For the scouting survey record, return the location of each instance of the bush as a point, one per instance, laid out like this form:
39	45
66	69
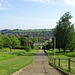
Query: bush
70	54
27	48
19	47
36	47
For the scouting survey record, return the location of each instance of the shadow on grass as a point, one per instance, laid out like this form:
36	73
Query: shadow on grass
57	53
27	54
32	54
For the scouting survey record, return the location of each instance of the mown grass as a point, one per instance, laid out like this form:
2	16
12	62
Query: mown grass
63	63
12	61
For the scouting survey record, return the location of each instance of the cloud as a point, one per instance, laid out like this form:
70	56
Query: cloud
6	1
55	2
0	4
3	8
44	1
70	2
40	1
1	0
4	5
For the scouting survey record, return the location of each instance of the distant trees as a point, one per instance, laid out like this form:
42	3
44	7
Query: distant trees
64	32
47	46
40	40
15	42
28	33
24	41
31	44
12	42
35	39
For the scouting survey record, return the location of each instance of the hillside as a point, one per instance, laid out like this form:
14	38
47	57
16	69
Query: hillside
28	33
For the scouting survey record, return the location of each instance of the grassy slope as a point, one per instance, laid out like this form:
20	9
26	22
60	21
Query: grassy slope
64	63
15	60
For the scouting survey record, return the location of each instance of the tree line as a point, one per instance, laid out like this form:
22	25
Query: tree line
13	42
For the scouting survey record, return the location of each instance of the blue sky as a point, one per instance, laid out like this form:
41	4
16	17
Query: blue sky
33	14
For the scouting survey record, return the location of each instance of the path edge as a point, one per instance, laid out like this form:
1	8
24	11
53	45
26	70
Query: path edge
60	70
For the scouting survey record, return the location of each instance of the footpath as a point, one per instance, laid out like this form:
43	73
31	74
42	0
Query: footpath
40	66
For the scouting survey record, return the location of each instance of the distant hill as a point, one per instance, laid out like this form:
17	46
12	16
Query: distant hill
34	30
28	33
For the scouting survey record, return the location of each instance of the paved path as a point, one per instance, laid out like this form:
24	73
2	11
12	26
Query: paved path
40	66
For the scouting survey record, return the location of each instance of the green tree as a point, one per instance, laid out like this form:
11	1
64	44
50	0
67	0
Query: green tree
24	41
1	41
72	46
15	42
41	40
64	32
11	41
31	44
7	42
35	39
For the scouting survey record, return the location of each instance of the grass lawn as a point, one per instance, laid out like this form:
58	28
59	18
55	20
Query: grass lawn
12	61
63	63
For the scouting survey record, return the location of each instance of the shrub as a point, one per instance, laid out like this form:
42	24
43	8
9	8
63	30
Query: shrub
19	47
70	54
36	47
27	48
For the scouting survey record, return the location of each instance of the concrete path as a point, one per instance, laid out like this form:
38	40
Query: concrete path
40	66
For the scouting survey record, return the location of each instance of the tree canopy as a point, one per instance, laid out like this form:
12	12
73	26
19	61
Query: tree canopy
11	41
64	32
24	41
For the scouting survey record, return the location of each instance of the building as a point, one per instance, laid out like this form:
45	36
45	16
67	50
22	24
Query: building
39	43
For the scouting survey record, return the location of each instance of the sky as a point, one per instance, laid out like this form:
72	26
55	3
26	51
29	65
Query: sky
33	14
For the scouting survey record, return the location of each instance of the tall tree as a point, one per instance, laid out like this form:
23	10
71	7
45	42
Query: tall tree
64	32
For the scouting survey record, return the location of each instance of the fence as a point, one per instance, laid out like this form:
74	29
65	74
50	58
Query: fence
53	61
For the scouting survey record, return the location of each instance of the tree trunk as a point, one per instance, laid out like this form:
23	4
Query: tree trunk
64	51
71	50
59	50
10	49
